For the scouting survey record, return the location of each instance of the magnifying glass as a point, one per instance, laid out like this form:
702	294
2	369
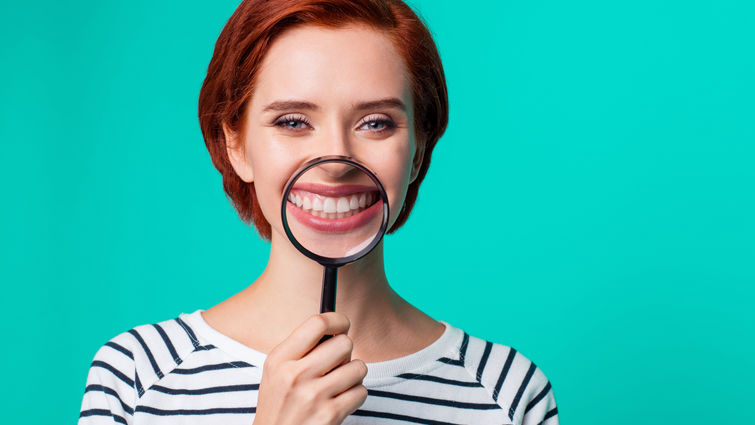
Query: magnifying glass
334	211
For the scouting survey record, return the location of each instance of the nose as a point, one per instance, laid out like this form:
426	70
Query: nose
336	140
337	170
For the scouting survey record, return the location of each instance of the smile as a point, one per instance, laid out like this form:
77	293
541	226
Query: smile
334	208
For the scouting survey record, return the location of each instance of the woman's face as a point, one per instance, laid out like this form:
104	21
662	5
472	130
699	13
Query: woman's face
317	93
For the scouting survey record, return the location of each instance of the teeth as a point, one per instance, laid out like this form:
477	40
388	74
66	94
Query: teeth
329	206
343	205
332	208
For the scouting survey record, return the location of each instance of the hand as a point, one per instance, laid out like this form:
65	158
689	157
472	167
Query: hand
308	384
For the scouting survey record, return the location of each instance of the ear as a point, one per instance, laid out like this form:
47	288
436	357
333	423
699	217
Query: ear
236	150
419	154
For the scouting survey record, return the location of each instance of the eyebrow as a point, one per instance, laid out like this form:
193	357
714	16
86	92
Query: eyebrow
285	105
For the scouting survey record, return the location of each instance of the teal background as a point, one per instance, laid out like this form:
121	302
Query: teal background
591	203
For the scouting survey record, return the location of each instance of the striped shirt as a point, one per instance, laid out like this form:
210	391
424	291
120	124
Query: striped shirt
182	371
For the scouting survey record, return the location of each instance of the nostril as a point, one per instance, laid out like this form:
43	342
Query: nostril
336	170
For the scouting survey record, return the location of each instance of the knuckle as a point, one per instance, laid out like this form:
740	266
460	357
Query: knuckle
361	367
271	362
287	377
347	342
320	323
362	392
308	396
291	375
339	318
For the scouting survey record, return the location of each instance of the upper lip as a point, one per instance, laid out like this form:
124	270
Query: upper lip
333	191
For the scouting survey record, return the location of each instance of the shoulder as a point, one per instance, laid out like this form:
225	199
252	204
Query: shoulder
512	379
144	354
130	363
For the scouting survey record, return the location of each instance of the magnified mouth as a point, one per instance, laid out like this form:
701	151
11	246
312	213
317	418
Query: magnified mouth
334	208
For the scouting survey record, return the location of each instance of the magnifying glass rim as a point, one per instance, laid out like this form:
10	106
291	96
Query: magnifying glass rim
335	261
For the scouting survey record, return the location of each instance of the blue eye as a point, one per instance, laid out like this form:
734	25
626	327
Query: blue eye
291	119
373	124
387	125
296	123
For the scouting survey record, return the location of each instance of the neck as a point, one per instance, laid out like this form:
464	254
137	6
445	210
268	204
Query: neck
292	284
383	325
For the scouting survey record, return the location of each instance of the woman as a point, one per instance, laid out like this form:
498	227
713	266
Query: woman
290	81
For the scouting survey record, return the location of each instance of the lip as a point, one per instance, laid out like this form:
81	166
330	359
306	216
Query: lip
333	191
336	225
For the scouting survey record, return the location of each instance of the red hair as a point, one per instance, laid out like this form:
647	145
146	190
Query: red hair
248	35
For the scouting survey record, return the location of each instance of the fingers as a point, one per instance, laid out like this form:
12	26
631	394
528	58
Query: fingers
306	336
343	378
304	382
327	356
350	400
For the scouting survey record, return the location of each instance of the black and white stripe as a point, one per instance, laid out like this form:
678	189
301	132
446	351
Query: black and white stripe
178	372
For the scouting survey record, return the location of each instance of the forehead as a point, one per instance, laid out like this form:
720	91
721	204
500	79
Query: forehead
331	66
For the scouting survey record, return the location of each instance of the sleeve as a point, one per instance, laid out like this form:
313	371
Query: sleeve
110	392
540	404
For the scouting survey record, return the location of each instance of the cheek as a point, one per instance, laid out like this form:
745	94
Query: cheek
267	197
395	172
272	169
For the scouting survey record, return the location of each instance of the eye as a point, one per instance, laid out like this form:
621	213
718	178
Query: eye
297	123
291	122
376	123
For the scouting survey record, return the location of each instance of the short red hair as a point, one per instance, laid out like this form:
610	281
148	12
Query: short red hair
248	35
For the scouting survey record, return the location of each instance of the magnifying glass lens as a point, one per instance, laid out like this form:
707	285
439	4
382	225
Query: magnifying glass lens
334	209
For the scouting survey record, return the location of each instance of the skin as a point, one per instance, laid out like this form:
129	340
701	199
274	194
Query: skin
334	69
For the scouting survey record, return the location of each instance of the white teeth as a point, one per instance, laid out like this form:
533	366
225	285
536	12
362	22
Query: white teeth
343	205
329	206
332	208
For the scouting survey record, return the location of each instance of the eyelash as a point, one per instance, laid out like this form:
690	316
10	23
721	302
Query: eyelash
282	121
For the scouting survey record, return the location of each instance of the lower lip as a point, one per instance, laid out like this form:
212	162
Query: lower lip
336	225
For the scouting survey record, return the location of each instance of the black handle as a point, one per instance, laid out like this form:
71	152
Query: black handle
328	298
